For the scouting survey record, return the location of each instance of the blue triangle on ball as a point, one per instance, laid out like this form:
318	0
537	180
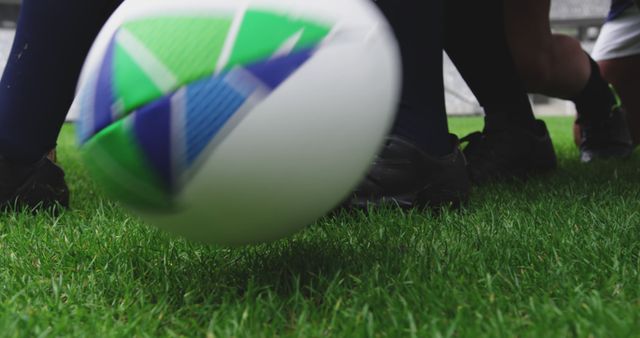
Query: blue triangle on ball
210	104
152	129
275	71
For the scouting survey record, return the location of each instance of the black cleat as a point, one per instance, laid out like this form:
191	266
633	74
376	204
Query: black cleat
405	176
36	186
604	139
511	152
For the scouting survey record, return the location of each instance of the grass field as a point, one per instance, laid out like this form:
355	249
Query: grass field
556	256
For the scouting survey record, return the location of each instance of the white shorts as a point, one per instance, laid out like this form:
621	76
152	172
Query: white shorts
619	37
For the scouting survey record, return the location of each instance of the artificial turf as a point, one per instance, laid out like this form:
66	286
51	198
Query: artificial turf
555	256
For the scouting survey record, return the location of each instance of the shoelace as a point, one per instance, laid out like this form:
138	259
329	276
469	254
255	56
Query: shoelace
479	146
483	152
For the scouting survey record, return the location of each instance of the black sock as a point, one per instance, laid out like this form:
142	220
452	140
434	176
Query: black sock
422	115
596	99
38	84
476	42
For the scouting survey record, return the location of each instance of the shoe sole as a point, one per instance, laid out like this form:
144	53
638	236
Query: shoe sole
426	199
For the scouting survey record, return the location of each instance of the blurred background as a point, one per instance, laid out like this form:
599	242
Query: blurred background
578	18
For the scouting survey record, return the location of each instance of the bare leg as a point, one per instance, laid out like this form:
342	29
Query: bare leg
556	65
553	65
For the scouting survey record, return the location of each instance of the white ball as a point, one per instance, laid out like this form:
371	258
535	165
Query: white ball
287	153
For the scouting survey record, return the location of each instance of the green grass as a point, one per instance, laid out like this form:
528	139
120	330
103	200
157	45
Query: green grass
555	256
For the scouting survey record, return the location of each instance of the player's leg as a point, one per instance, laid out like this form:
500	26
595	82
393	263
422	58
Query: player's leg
420	163
556	65
422	115
618	53
553	65
513	142
622	73
36	90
